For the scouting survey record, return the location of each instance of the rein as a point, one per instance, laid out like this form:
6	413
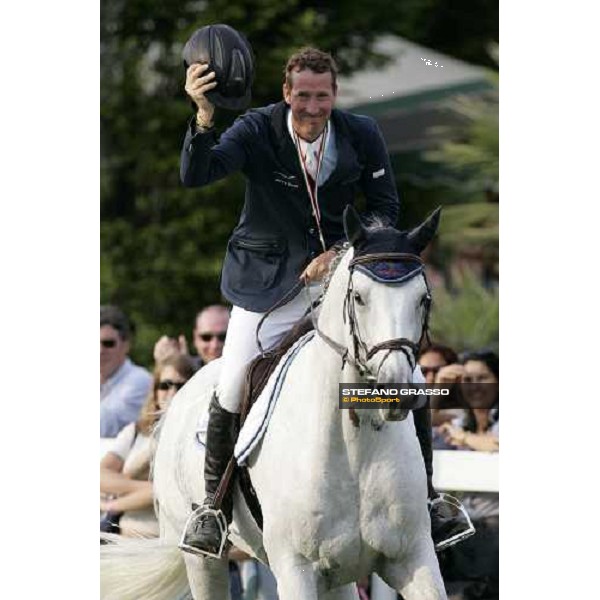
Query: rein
409	348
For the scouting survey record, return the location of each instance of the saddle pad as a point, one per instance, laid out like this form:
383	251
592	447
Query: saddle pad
258	418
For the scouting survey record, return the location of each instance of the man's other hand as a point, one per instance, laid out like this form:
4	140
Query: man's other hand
318	267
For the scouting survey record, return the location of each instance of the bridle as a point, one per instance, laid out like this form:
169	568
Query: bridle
361	353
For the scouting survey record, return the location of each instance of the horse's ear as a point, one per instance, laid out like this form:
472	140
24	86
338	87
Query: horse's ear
421	235
355	232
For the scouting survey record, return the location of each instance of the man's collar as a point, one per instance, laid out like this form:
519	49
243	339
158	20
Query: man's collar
286	150
291	129
280	128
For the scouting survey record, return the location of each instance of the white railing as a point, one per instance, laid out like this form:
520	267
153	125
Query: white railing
465	471
453	470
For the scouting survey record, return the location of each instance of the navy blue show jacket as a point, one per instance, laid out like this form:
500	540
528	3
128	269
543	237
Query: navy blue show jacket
276	236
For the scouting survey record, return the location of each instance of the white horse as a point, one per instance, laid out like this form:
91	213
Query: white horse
339	501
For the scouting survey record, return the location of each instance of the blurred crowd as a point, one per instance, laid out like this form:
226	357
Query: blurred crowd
132	401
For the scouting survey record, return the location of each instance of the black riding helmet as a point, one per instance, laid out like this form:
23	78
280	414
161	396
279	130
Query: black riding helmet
229	54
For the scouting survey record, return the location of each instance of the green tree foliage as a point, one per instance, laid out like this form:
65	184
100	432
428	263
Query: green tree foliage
162	245
467	317
472	153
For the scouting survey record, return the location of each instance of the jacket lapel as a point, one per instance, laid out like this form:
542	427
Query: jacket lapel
286	151
347	167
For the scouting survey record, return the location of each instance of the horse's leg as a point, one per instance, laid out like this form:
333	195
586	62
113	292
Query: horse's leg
346	592
417	577
208	577
296	579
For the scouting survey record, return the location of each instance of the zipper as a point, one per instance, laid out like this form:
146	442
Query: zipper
256	244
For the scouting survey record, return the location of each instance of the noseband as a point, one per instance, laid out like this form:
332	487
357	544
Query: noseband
361	352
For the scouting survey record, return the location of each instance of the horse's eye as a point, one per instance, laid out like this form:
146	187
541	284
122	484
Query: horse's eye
358	299
426	301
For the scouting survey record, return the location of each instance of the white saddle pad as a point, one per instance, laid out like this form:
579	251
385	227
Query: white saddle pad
258	418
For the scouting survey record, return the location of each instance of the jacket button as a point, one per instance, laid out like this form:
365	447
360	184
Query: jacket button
312	231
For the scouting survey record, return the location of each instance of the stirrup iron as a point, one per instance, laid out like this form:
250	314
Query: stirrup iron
458	537
223	530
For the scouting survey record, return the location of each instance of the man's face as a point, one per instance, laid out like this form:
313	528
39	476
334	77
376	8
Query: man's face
209	334
113	351
431	363
311	98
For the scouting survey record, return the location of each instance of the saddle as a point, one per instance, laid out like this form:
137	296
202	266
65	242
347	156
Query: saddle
257	375
262	367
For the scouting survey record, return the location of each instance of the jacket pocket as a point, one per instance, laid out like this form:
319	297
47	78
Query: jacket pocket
254	264
261	246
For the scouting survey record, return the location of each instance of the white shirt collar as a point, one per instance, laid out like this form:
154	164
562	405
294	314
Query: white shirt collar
330	156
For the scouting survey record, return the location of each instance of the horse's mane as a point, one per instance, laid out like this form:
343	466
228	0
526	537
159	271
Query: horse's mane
333	265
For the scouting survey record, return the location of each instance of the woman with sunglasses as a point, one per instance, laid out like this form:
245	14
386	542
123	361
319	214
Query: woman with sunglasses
126	492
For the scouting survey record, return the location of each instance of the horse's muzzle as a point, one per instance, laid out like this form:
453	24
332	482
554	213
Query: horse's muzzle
394	413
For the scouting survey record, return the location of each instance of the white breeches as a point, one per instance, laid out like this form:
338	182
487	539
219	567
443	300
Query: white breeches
241	347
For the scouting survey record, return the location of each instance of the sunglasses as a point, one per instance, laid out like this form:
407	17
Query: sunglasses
208	337
108	343
167	384
432	370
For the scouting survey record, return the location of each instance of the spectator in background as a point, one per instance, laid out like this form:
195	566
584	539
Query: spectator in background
123	385
210	331
479	428
431	360
209	334
473	564
125	469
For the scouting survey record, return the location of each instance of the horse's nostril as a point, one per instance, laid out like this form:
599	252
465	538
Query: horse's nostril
397	414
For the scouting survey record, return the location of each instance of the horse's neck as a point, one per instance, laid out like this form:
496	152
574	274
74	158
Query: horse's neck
339	435
327	371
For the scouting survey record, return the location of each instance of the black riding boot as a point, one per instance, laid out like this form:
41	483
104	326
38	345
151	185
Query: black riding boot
422	419
206	529
450	523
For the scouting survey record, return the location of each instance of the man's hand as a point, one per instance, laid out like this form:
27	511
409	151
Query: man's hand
197	83
318	267
450	374
167	347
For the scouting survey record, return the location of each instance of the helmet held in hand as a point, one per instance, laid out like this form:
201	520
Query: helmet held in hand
229	54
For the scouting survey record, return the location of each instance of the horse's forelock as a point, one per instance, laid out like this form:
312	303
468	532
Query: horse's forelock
375	223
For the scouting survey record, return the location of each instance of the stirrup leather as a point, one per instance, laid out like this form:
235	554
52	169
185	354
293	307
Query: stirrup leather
199	513
458	537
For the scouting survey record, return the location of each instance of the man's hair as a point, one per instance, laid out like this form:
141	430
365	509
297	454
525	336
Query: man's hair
117	319
313	59
213	308
449	355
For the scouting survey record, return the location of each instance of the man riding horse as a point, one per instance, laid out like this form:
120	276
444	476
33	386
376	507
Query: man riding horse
303	161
